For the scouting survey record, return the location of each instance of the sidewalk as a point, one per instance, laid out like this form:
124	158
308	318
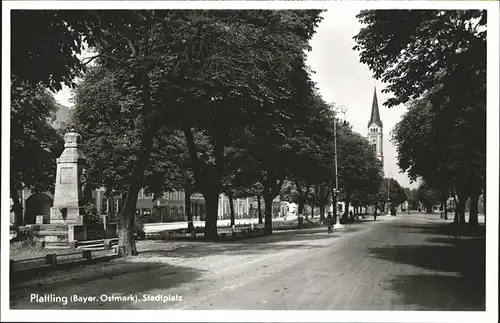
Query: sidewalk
158	227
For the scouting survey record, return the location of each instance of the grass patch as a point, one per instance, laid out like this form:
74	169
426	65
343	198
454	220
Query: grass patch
29	248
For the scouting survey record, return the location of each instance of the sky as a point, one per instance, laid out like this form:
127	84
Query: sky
342	79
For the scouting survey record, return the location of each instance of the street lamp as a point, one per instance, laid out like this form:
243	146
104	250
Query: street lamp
337	109
389	176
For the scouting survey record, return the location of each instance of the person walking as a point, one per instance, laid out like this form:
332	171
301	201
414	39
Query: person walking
375	215
329	220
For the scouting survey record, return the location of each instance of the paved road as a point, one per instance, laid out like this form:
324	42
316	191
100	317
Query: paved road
396	263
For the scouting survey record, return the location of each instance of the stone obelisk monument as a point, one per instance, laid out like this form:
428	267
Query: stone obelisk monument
68	193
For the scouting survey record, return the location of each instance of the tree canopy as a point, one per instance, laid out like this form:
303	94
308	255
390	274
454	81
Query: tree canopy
34	143
436	65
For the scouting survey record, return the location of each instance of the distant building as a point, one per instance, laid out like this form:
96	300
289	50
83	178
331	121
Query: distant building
375	130
375	135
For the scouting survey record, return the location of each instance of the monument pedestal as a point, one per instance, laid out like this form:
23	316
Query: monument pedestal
67	224
68	215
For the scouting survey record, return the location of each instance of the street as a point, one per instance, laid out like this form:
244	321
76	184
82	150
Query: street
407	262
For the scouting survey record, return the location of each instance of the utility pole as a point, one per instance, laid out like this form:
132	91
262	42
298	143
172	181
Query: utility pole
389	175
337	109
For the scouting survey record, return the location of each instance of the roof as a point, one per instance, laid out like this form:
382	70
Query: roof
375	116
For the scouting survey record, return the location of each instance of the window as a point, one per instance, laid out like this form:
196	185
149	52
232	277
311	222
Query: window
374	147
117	205
106	205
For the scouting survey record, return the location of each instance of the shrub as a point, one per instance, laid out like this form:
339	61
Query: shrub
91	213
25	237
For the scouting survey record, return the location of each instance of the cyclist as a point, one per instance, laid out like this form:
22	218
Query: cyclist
329	221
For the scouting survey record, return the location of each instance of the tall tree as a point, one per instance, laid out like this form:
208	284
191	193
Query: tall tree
359	170
34	144
440	57
427	196
112	127
188	69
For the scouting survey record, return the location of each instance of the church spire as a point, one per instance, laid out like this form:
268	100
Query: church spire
375	116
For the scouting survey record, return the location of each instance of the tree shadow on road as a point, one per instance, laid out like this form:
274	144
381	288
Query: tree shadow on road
120	277
280	240
449	229
467	259
440	292
241	248
459	267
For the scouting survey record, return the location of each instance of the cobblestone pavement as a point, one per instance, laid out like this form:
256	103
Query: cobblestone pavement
407	262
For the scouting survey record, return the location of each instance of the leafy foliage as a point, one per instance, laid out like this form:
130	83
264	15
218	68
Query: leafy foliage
47	52
428	196
437	63
90	212
436	48
111	146
34	145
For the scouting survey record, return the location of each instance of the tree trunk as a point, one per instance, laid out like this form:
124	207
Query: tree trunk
455	219
231	207
302	203
473	212
445	209
462	198
259	206
212	205
302	196
17	208
268	204
208	178
312	209
126	222
347	201
187	207
322	211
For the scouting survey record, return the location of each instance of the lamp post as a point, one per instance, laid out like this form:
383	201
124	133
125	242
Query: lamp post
389	175
337	109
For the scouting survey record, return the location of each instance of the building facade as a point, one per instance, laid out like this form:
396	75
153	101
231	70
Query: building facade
168	208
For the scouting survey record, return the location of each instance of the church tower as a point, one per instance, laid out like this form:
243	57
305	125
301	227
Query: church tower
375	128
